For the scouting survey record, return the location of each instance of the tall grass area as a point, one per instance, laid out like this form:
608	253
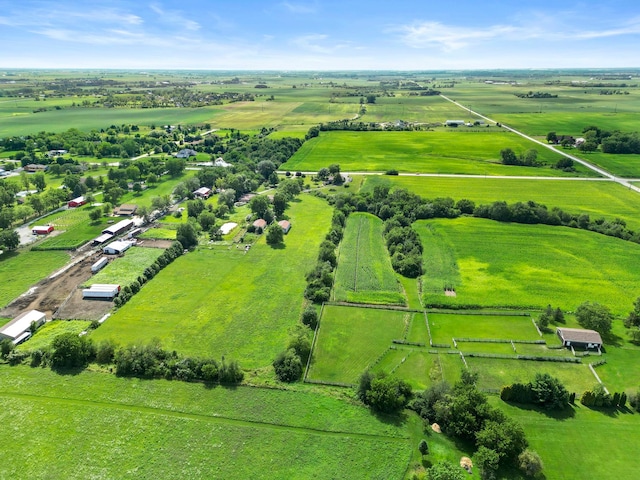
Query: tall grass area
364	273
225	302
22	269
530	266
441	151
50	330
126	269
78	424
350	340
441	272
595	198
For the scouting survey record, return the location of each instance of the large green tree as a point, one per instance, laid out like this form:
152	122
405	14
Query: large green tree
594	316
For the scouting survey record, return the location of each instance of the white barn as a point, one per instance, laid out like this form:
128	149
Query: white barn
117	247
19	329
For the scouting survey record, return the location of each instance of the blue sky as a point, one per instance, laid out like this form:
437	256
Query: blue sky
319	35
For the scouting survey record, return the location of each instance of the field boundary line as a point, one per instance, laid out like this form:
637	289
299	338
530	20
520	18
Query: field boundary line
313	344
214	418
398	308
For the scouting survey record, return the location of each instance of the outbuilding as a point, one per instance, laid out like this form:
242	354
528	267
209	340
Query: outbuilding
105	237
126	210
101	291
77	202
117	247
202	192
579	338
41	229
118	228
454	123
19	329
261	224
285	225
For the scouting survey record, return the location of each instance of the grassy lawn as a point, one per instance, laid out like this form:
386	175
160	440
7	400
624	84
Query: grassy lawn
125	270
25	268
445	326
595	198
175	429
500	265
45	335
428	152
214	302
417	367
159	234
364	273
351	339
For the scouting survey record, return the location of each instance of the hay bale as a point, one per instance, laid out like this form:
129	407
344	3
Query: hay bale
436	428
465	462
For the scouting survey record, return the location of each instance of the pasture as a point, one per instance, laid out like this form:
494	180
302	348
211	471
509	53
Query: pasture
214	302
20	270
126	269
443	151
445	326
175	428
595	198
530	266
350	340
364	273
44	335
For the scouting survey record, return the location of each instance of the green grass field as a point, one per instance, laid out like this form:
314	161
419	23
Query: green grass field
76	228
501	266
125	270
595	198
45	334
225	302
364	273
426	152
350	340
160	429
417	367
445	326
24	269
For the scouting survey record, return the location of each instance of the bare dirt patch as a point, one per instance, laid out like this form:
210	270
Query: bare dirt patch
150	243
450	293
49	294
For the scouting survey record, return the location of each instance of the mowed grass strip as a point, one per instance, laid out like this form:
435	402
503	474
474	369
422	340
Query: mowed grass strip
445	326
595	198
22	269
126	269
225	302
351	339
428	152
364	273
176	429
530	266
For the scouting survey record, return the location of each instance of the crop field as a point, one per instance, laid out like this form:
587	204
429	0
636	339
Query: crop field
426	152
364	273
620	165
125	270
167	427
25	269
500	265
350	340
595	198
76	226
225	302
445	326
50	330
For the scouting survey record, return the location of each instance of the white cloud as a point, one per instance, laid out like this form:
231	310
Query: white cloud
300	8
175	18
316	43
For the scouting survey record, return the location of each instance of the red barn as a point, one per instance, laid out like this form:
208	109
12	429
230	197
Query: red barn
77	202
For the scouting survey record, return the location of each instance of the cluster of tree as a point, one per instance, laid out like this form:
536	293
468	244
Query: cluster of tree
594	316
289	364
179	96
463	411
350	125
320	279
634	400
9	240
632	322
330	174
619	142
531	94
545	391
599	397
404	246
527	159
565	164
550	315
383	393
168	256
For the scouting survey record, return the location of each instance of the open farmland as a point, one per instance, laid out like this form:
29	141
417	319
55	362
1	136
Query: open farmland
74	229
350	340
290	434
216	297
501	265
595	198
50	330
427	152
364	273
126	269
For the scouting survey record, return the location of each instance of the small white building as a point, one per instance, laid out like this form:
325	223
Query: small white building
202	192
19	329
117	247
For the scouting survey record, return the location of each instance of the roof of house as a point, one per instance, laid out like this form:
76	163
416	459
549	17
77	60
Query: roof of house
118	246
579	335
186	152
284	224
126	209
202	191
21	323
121	225
261	222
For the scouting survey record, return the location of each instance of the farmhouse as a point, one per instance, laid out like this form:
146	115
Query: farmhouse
186	153
577	337
261	223
19	329
41	229
77	202
119	227
454	123
285	225
202	192
35	167
117	247
56	153
126	210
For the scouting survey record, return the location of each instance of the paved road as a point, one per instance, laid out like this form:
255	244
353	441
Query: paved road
624	182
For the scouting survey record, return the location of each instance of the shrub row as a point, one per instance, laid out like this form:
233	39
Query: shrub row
168	256
534	358
500	340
